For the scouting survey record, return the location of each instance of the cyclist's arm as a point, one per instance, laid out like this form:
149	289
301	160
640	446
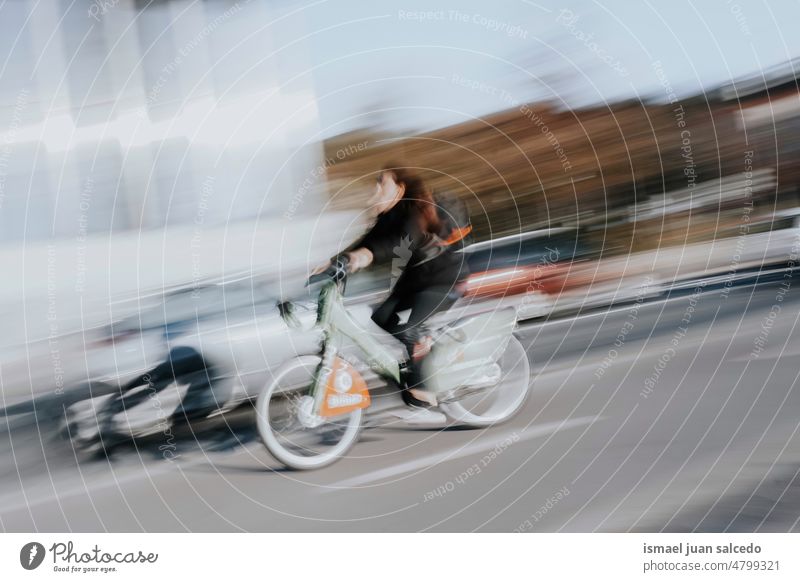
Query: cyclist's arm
360	258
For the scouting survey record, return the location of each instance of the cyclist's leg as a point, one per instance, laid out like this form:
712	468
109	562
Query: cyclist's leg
386	313
424	304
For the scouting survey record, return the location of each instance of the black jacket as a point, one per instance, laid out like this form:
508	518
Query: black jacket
418	259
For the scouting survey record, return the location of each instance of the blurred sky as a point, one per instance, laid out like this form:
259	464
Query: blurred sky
143	99
377	55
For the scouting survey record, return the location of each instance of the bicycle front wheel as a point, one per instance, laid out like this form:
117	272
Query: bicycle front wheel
289	429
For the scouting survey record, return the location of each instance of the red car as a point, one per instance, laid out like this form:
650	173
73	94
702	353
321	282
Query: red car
542	260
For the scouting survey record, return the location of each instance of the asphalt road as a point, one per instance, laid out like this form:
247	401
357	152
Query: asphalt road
686	421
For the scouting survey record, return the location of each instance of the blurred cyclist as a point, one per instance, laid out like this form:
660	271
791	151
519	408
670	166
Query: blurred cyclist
410	224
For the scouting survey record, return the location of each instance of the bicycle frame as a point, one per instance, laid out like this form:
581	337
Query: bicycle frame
336	323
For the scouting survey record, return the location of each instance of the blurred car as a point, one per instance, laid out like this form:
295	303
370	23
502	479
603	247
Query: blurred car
534	261
220	345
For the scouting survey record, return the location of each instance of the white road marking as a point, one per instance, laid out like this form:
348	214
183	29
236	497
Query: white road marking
95	483
445	456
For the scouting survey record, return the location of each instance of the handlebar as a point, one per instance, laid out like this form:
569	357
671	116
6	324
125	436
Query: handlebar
318	278
336	272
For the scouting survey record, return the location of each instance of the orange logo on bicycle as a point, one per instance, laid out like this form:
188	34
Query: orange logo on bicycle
345	390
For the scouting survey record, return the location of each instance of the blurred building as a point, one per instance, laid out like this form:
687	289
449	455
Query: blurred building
146	146
696	162
120	115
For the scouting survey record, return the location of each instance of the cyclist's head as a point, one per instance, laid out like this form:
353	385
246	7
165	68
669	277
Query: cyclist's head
389	190
397	184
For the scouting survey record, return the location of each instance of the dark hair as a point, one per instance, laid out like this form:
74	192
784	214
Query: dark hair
416	195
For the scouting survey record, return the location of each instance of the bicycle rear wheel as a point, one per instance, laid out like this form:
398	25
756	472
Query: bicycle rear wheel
499	403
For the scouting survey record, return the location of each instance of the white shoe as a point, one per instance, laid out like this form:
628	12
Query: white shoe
420	416
428	398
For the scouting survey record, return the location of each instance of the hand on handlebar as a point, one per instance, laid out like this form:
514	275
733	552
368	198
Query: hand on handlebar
360	259
336	270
